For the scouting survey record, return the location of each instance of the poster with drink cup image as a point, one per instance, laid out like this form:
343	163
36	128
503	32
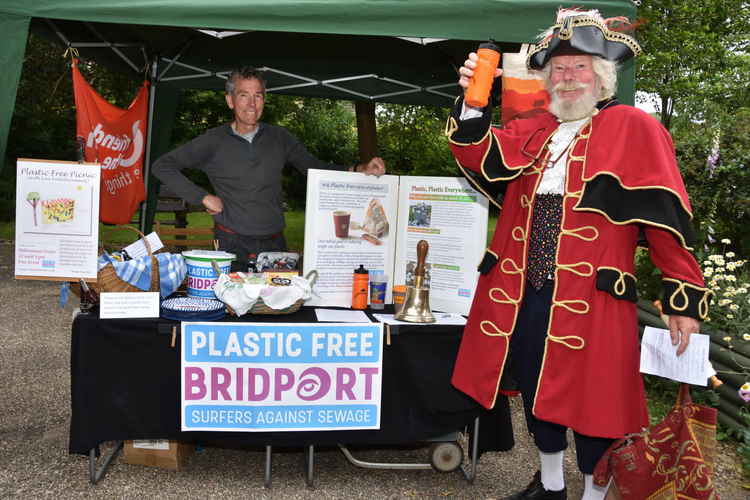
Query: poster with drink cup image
349	221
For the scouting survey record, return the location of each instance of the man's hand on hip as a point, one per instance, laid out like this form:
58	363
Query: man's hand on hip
680	329
213	204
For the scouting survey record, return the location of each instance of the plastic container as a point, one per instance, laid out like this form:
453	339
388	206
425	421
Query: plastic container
478	93
201	276
378	286
360	279
399	294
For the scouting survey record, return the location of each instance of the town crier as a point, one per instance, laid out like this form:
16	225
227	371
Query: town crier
579	189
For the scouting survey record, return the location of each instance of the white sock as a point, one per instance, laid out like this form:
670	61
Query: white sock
592	491
551	469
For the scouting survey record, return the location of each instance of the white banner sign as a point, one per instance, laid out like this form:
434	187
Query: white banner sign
253	377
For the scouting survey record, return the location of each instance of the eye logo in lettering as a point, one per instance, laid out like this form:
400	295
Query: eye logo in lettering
314	383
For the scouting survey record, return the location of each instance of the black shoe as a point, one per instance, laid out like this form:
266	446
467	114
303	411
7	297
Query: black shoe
535	491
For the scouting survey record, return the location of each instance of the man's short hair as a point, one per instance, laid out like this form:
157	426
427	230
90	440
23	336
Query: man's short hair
244	73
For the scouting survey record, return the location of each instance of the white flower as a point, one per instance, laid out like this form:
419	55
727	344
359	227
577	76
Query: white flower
707	263
731	266
708	272
742	290
730	254
724	302
727	339
746	336
726	241
734	307
731	277
714	258
730	316
720	261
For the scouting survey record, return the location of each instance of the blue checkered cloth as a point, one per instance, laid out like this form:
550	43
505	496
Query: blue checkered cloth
137	272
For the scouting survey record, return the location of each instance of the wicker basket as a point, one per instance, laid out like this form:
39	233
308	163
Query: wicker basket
260	307
108	281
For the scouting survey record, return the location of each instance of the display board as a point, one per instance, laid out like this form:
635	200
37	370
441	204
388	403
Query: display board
353	219
255	377
57	220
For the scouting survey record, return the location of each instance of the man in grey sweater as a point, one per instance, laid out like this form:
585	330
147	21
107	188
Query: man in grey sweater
244	160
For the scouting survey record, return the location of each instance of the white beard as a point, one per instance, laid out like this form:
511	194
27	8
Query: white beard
567	110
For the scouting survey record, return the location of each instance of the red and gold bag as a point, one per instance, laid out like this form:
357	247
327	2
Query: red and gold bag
673	459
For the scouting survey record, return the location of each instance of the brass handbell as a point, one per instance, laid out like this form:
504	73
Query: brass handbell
416	308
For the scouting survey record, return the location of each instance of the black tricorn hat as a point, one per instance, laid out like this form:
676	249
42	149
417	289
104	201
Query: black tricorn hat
585	32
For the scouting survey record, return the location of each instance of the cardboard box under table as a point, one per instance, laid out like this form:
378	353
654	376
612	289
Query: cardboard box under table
113	402
161	453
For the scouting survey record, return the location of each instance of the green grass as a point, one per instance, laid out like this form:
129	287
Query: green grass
116	237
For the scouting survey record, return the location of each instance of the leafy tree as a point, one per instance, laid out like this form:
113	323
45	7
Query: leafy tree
696	66
43	124
695	55
411	141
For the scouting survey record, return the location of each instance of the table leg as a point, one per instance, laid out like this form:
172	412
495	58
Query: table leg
267	477
310	462
95	474
472	474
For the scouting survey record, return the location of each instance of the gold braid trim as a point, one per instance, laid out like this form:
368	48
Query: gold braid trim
518	234
620	286
571	268
497	332
516	270
566	341
578	230
568	304
507	299
680	291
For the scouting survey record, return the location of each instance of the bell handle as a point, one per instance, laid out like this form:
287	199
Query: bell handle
422	248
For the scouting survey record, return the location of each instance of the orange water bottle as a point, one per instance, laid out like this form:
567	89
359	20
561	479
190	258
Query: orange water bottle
360	282
478	93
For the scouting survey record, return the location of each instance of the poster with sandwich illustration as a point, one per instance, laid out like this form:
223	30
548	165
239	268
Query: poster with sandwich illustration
57	220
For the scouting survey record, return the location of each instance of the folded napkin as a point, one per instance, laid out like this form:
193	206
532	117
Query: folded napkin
137	272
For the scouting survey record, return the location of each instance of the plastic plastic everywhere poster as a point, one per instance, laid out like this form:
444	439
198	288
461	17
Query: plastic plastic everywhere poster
353	219
452	217
259	377
57	220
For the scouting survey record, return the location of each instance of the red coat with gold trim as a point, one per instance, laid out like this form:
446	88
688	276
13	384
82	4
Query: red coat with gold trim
622	183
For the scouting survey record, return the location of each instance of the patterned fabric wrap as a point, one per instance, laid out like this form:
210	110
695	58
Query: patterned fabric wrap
545	228
137	272
673	459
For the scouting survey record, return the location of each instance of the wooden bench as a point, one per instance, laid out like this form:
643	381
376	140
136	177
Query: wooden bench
184	237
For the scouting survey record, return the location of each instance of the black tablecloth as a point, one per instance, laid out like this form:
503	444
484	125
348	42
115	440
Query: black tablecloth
125	384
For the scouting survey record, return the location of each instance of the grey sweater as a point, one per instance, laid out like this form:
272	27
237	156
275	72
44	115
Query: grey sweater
246	176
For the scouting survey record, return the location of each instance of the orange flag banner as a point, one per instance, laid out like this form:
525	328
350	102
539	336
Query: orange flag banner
115	138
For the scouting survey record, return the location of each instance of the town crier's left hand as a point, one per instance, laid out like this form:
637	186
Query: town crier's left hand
680	329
